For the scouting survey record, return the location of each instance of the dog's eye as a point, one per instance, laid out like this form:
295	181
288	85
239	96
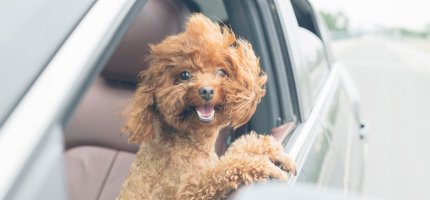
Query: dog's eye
221	73
185	75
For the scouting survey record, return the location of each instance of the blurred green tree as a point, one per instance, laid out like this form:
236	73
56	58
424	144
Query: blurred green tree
336	22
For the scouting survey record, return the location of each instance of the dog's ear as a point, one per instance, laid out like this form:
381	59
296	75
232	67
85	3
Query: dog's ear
140	112
250	83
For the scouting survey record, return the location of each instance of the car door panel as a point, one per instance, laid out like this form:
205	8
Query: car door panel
341	127
314	159
322	165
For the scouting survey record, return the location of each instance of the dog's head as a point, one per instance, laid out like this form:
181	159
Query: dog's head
202	78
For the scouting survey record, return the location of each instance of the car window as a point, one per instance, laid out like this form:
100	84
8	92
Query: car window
305	17
34	130
31	33
313	55
306	50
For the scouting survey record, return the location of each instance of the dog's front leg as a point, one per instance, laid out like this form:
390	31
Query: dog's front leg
230	173
262	145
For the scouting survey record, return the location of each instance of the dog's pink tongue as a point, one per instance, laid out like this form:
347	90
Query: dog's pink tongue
205	111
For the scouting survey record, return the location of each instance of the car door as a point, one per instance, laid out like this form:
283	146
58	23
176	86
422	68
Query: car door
31	134
304	88
326	142
349	120
342	129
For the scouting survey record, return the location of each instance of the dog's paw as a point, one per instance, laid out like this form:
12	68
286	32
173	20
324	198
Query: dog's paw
283	162
272	149
261	169
275	173
266	147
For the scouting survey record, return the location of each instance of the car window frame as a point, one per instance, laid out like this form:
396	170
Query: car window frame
303	137
253	21
290	28
288	61
25	132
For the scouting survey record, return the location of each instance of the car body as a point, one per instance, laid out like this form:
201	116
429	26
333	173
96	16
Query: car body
311	104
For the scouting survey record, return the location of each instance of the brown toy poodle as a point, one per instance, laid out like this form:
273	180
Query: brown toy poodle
198	82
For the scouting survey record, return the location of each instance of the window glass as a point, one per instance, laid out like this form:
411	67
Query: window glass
305	17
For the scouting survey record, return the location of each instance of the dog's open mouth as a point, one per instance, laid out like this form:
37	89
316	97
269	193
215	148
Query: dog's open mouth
205	113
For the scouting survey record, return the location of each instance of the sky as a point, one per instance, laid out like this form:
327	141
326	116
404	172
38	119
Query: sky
368	14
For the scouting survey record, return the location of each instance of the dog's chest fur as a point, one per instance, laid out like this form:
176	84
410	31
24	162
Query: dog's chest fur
160	167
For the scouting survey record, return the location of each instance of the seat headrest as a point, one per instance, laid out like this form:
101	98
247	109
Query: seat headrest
157	20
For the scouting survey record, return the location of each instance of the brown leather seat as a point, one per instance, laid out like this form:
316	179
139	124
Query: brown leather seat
97	156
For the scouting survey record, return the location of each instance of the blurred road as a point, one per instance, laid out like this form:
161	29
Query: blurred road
394	80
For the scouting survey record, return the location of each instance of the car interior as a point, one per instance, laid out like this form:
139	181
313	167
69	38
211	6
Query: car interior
97	155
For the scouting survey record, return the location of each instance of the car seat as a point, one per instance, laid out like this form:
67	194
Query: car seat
97	156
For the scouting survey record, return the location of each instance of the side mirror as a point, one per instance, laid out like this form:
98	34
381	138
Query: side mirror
312	49
313	58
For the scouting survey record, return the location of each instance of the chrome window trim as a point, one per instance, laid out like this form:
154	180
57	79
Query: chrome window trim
297	146
42	107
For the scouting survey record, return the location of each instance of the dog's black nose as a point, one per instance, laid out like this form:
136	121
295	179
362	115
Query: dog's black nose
206	93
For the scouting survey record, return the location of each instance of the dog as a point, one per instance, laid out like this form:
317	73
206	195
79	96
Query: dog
198	82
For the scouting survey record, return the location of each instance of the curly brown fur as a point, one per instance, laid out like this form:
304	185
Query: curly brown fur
177	127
